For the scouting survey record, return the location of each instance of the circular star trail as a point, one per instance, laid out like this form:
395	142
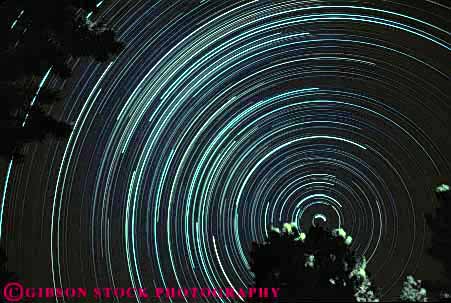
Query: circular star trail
222	117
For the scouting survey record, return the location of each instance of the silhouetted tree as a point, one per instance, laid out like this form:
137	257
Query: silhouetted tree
412	291
5	275
440	225
47	34
56	30
314	266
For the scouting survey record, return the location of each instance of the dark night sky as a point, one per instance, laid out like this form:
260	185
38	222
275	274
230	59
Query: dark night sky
221	117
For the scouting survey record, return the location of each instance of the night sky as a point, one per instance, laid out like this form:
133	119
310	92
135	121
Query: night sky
221	117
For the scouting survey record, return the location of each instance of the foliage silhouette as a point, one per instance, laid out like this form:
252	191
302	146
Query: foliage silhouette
37	35
5	275
412	291
316	266
440	225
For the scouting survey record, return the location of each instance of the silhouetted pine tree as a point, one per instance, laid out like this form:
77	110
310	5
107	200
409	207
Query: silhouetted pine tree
47	34
59	29
440	226
412	291
5	275
314	266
